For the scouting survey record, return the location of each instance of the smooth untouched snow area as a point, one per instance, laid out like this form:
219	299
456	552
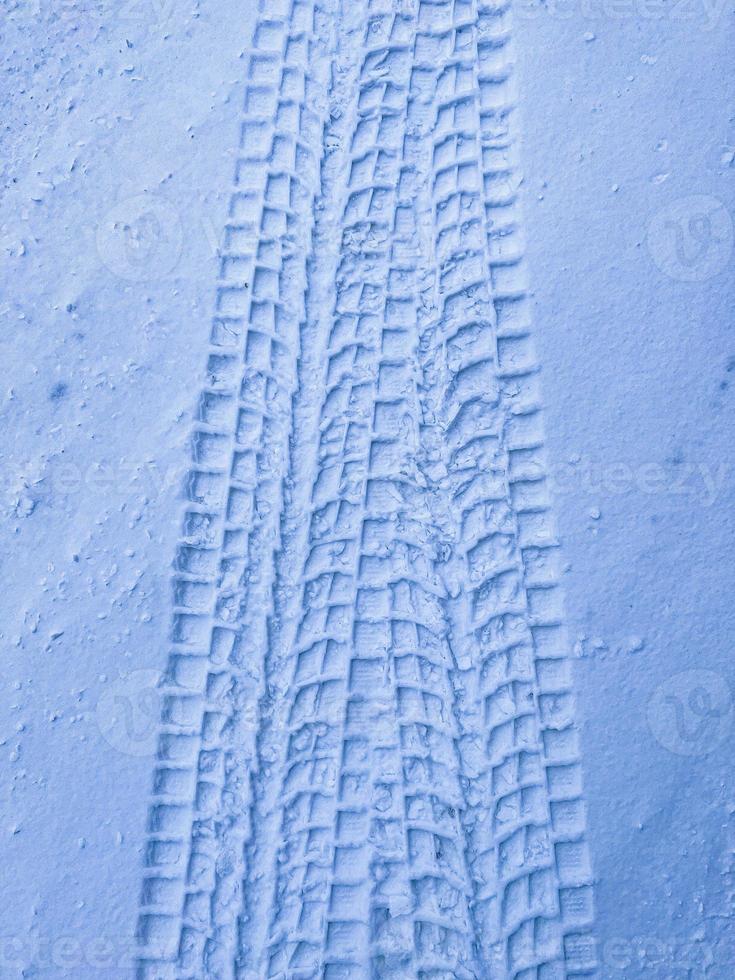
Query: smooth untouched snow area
129	117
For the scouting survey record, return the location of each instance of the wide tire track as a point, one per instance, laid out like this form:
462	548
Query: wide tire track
368	765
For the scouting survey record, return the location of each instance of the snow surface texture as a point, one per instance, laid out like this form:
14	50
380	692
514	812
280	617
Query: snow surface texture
358	710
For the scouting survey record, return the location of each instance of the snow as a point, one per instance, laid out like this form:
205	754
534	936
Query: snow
102	360
637	351
119	144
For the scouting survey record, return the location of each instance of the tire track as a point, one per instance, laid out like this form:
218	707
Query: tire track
368	763
192	887
323	876
284	661
549	933
284	247
532	885
420	886
455	302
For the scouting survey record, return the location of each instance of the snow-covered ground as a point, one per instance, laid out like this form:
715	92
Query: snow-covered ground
110	115
629	143
121	135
